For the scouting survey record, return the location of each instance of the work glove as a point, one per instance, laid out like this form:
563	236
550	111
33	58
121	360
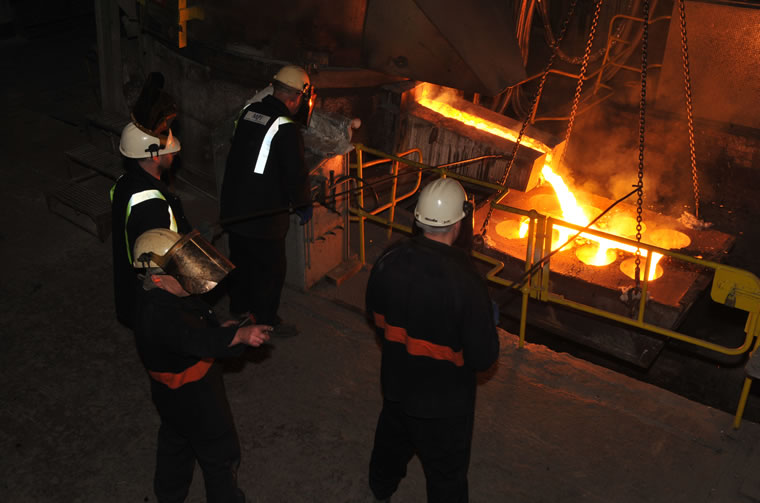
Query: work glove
305	213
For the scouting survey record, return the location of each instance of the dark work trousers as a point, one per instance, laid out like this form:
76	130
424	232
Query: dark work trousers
442	444
259	275
196	423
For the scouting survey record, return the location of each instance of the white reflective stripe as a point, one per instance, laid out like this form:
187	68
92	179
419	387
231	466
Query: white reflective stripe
261	162
141	197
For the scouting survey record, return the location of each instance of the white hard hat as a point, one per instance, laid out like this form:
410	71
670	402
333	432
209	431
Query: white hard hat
152	243
441	203
136	143
294	77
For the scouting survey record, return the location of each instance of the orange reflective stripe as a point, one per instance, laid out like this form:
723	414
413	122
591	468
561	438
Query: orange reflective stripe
190	374
418	347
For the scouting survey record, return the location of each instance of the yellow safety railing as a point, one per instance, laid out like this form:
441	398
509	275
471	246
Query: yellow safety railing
360	216
731	286
395	199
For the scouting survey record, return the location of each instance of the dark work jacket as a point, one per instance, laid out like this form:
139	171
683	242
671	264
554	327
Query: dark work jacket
433	312
151	214
174	333
284	182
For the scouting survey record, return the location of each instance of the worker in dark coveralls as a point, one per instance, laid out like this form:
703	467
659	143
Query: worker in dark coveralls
265	178
140	200
432	310
178	337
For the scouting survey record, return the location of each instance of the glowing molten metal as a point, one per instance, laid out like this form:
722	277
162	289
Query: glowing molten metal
483	125
597	251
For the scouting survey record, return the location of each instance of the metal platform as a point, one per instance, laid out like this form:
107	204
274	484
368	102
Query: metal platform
100	161
83	207
108	124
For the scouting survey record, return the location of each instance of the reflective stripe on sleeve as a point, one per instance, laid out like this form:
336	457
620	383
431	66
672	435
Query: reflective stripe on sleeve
418	347
266	145
190	374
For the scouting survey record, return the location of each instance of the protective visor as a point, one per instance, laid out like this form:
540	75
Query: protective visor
195	263
303	114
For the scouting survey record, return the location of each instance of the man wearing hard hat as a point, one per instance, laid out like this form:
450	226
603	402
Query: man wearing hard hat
140	200
431	309
178	337
264	180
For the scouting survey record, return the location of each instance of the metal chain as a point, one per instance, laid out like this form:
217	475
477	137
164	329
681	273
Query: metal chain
581	76
534	102
642	123
576	60
689	111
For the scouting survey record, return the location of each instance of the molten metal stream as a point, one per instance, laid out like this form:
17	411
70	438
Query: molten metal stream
571	210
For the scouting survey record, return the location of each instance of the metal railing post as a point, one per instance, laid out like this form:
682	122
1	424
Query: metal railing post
360	175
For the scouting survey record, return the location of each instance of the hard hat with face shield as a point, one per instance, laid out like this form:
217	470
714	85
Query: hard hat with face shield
296	78
442	202
139	143
190	259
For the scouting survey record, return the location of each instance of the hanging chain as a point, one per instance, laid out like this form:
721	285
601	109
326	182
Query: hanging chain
534	102
689	111
581	76
642	123
576	60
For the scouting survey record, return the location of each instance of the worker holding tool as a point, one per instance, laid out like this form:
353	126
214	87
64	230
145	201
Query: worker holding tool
266	177
178	337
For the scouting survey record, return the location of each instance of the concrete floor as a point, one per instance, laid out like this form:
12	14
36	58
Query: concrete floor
77	424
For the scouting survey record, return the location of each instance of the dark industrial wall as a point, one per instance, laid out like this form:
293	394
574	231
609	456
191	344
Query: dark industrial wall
724	50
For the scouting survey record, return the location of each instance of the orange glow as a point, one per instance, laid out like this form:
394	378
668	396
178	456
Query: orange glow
668	238
572	212
597	251
628	267
483	125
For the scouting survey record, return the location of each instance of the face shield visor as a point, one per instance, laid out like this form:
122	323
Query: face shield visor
308	97
195	263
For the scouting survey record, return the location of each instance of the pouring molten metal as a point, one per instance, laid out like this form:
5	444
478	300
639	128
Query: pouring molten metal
593	250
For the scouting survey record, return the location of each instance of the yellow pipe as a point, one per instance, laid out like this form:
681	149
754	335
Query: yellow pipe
359	172
392	212
557	299
359	147
742	402
384	207
645	286
365	215
526	289
747	381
